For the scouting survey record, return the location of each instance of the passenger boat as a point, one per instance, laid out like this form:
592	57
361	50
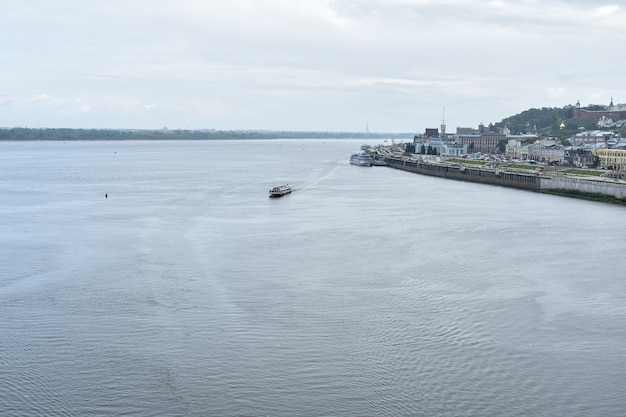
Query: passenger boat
361	159
280	190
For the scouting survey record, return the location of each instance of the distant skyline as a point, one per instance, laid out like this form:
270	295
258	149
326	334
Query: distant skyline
307	65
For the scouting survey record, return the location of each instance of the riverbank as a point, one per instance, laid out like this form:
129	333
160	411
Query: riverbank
588	188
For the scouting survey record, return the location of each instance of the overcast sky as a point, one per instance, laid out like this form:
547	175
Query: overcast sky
343	65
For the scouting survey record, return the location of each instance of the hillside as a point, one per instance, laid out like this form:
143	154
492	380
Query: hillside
547	120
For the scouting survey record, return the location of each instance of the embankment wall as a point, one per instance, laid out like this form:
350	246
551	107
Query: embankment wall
522	180
584	186
528	181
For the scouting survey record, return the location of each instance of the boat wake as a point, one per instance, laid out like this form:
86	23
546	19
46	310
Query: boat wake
319	175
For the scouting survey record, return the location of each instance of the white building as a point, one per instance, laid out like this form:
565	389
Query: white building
546	151
447	146
513	149
592	137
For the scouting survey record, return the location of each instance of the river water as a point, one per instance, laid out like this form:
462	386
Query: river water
365	292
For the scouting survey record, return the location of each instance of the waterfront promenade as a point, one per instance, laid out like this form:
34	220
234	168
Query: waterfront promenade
550	182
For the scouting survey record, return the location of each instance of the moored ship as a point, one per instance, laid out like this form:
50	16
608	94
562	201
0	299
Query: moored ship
361	159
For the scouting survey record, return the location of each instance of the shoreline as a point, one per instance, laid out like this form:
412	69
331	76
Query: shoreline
605	190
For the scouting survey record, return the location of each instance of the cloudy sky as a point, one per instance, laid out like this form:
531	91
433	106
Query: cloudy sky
337	65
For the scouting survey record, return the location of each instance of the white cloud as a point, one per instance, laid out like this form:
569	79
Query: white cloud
245	63
208	108
4	100
557	92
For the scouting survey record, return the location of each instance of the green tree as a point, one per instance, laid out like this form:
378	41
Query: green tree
502	146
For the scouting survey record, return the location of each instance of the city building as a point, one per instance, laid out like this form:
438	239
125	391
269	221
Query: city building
592	137
580	157
514	149
612	111
487	142
546	151
613	158
444	145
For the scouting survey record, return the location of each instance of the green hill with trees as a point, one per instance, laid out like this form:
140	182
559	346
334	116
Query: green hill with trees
548	120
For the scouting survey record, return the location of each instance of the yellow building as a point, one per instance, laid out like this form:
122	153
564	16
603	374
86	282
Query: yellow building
615	158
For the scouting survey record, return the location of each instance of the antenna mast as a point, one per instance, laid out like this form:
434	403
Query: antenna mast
443	124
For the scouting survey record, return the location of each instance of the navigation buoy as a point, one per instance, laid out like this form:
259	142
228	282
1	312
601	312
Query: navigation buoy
106	195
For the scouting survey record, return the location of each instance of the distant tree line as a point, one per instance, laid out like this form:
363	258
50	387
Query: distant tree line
24	134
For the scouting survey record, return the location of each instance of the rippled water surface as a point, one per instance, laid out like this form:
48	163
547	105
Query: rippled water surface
366	292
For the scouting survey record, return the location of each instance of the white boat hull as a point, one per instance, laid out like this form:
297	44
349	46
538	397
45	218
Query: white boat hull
281	190
363	160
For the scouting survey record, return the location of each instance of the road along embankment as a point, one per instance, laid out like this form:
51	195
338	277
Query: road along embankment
523	180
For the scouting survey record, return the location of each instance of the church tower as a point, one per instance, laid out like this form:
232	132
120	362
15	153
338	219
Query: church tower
577	110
